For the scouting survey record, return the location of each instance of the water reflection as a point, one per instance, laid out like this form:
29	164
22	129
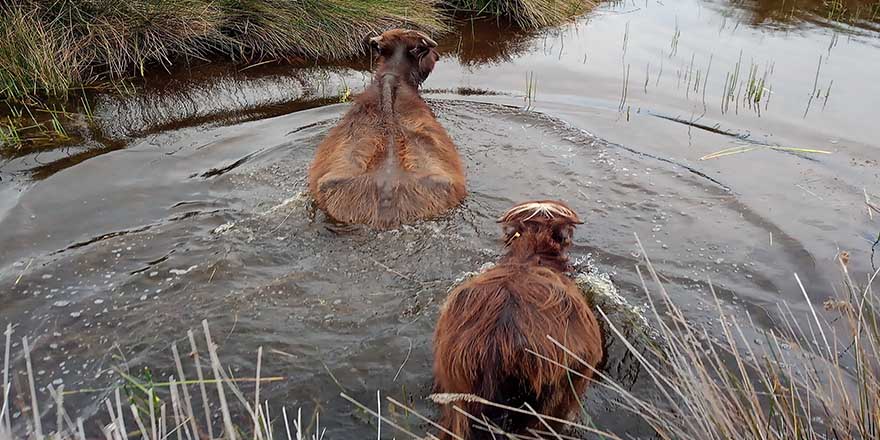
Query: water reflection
860	14
483	41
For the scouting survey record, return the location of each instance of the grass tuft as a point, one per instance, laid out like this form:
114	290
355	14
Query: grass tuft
34	57
48	48
529	14
51	49
820	380
162	410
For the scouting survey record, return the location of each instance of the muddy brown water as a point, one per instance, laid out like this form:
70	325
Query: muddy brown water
188	203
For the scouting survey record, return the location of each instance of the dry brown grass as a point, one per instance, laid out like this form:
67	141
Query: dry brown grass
825	387
49	47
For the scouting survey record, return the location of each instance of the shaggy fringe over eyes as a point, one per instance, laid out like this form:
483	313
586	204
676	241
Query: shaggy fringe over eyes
546	209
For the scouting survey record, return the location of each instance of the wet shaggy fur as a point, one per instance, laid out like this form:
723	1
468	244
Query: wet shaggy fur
489	322
389	161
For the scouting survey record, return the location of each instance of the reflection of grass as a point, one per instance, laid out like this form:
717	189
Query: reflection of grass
37	124
859	13
9	133
851	11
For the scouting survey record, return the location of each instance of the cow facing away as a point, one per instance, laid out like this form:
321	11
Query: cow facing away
389	161
490	323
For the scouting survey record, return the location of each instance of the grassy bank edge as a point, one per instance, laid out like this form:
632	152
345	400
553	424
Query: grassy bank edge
52	53
49	48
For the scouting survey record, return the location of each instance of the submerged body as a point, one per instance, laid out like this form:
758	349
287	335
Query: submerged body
494	326
389	161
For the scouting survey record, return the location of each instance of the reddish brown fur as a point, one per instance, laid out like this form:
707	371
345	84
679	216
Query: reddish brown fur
389	161
488	323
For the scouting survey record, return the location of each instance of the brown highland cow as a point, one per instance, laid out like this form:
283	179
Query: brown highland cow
489	323
389	161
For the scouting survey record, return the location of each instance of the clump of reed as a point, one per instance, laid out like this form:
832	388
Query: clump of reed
180	408
529	14
814	380
49	47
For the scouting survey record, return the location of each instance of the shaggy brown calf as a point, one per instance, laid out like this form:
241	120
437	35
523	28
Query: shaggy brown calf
389	161
489	322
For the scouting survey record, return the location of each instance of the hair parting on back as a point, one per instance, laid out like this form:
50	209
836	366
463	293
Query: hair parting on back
546	209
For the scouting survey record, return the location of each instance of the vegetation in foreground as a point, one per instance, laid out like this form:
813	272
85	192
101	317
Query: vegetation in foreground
819	381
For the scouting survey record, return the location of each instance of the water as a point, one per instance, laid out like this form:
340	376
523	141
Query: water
189	202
